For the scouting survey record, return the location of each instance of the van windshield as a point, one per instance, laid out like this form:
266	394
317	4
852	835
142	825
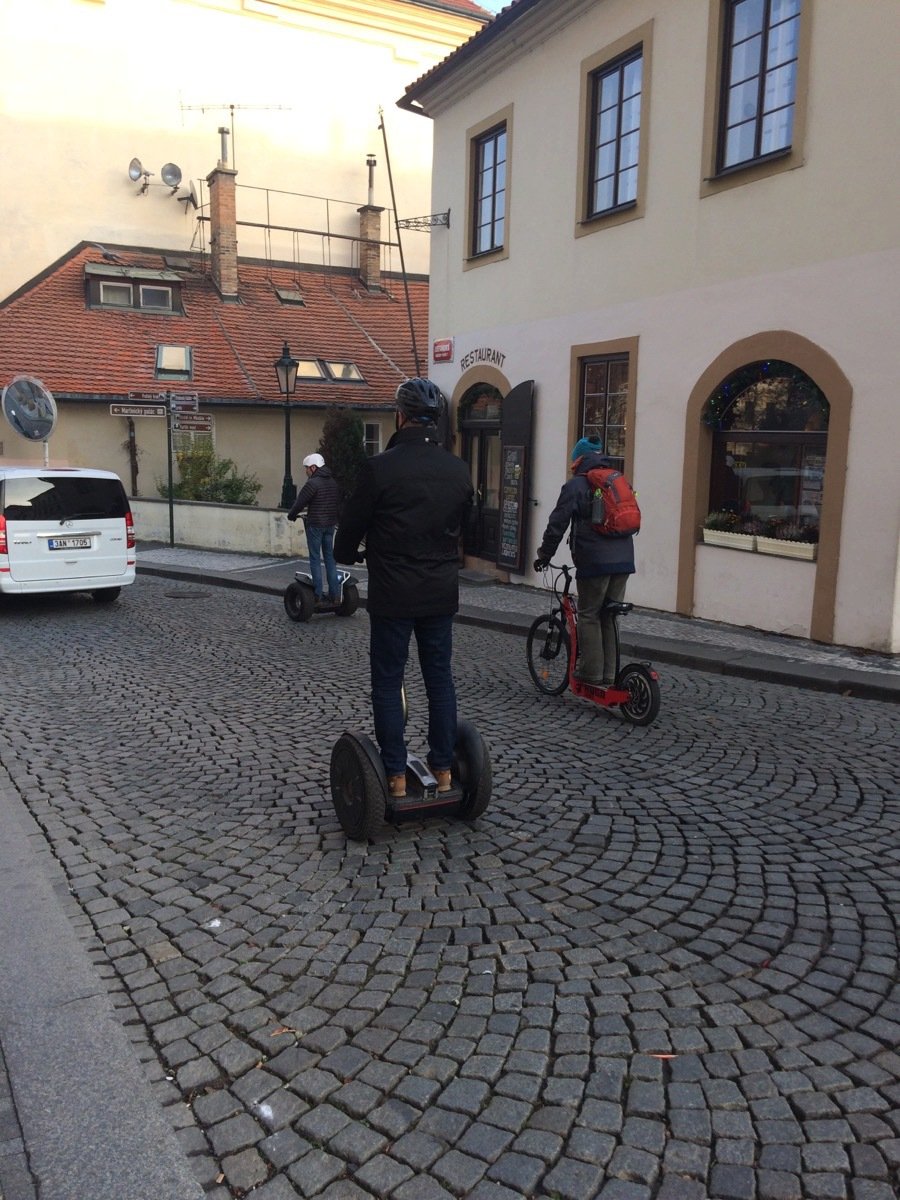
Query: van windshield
57	498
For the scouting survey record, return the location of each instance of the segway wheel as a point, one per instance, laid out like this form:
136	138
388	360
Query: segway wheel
350	602
299	602
642	705
472	767
358	786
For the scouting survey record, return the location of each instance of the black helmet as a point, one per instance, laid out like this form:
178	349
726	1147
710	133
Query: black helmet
420	400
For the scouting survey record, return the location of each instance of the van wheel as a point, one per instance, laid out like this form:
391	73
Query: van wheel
106	595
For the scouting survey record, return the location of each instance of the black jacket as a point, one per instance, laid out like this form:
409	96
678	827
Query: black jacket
321	497
592	553
409	506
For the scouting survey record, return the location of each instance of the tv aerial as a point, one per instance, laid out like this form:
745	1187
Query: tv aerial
30	409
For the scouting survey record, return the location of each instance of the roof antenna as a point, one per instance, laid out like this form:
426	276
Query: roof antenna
387	161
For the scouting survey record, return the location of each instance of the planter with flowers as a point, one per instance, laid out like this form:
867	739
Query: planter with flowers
788	539
728	529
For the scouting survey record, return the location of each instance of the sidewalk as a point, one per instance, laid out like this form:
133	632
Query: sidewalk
646	634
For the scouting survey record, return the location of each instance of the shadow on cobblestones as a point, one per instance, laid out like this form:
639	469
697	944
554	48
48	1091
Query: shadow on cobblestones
663	966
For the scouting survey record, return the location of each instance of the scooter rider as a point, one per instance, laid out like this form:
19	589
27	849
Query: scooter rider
410	505
602	565
321	497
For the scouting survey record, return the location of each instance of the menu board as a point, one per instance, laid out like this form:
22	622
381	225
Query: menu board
512	507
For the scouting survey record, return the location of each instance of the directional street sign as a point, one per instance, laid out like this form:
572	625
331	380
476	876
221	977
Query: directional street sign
186	402
159	397
137	410
190	422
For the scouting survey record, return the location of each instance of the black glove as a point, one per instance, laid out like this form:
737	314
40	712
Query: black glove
292	516
541	564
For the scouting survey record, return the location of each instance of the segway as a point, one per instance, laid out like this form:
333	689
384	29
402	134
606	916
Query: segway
359	787
300	597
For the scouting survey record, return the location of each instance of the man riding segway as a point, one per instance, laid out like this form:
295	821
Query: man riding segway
409	507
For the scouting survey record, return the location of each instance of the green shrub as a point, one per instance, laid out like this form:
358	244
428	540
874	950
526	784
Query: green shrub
206	477
341	445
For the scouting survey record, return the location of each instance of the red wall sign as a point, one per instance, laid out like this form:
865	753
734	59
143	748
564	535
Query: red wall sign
442	350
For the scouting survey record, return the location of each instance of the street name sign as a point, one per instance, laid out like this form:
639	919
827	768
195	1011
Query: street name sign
187	402
190	422
137	410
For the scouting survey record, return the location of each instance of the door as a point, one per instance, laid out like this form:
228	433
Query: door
483	457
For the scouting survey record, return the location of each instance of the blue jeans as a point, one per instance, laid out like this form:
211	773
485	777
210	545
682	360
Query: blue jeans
388	652
320	540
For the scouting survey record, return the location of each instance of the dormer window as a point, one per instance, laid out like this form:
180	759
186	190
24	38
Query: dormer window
115	295
139	288
154	296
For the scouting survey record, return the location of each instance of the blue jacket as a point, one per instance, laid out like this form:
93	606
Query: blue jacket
592	553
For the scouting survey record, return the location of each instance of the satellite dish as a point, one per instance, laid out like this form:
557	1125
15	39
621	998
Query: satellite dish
30	408
135	170
171	175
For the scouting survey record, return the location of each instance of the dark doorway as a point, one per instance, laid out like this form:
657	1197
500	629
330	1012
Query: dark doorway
480	428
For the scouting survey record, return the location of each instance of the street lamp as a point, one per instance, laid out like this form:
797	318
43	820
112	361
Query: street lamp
286	370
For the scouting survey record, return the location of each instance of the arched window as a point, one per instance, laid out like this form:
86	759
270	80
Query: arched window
770	436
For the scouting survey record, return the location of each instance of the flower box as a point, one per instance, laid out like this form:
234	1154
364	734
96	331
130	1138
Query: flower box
787	549
724	537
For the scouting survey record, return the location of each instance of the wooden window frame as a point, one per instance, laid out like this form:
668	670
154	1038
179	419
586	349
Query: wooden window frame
474	137
621	348
717	178
638	42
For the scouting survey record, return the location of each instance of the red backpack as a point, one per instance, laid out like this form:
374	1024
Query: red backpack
614	507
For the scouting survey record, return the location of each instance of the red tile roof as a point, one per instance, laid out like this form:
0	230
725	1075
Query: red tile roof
47	330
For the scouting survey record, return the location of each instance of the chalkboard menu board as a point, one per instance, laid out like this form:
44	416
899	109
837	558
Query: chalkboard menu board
512	507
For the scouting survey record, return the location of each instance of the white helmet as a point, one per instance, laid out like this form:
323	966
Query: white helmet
314	460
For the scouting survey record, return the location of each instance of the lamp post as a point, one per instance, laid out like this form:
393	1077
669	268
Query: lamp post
286	370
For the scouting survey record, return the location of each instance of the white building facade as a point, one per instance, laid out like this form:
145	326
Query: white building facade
675	225
299	86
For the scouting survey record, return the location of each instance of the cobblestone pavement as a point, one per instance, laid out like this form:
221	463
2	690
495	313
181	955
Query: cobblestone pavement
663	966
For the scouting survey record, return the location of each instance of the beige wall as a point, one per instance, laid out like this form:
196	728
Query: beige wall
232	527
812	251
88	84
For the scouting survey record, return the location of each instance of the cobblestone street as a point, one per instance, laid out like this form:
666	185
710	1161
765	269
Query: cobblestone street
663	965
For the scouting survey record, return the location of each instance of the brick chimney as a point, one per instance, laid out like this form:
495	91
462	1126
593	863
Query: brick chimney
369	246
223	231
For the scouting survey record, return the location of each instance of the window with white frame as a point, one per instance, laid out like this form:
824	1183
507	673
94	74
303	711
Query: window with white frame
372	438
154	296
115	295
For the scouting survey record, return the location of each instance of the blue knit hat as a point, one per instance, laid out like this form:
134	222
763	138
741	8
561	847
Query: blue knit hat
591	445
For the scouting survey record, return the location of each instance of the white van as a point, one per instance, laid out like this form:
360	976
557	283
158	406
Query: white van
65	530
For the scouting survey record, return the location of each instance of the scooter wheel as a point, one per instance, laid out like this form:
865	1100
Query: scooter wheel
299	602
358	786
472	766
350	602
642	705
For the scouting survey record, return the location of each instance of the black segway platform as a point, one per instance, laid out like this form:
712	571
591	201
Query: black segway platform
300	597
359	789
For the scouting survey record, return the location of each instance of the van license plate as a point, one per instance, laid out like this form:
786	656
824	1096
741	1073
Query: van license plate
69	543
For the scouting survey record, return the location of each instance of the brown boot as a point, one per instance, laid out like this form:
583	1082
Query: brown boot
443	781
397	786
